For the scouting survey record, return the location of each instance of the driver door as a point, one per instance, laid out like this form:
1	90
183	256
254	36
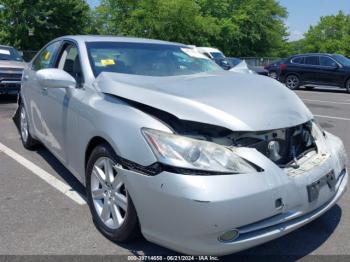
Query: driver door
58	102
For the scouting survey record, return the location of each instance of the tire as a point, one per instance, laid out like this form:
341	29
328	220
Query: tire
292	82
112	209
347	85
27	140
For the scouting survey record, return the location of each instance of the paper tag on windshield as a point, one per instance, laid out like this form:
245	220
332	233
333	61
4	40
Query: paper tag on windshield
4	51
107	62
193	53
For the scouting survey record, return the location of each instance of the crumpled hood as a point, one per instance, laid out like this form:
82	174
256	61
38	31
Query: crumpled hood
238	102
12	64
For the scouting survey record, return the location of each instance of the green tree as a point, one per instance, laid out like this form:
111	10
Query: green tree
237	27
172	20
330	35
248	27
29	24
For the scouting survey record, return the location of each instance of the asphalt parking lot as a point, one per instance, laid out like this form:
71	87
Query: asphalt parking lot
38	219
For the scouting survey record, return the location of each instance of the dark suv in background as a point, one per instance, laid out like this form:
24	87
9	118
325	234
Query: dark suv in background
315	69
11	68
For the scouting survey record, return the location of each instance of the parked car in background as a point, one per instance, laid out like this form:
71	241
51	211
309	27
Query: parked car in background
216	55
274	68
11	68
316	69
170	145
229	63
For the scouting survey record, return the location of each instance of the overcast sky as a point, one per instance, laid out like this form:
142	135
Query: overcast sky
302	13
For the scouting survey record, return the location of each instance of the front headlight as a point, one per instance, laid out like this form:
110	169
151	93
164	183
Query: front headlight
184	152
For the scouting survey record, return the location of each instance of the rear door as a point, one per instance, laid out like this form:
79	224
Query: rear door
311	69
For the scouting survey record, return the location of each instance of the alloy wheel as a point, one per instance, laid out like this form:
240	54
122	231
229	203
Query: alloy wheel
109	195
24	124
292	82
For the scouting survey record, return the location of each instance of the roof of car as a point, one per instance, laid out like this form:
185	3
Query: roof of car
310	54
208	49
5	46
103	38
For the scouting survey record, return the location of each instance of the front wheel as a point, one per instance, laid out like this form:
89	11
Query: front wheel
112	209
292	82
347	85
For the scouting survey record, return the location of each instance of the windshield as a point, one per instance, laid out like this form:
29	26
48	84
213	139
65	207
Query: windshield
342	59
9	53
217	55
147	59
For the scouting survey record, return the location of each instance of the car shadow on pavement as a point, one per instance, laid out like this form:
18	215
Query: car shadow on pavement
56	165
8	99
63	172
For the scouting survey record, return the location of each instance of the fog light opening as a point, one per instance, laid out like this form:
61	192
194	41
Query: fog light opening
229	236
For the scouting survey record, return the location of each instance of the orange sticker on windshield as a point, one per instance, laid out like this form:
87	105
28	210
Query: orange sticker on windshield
107	62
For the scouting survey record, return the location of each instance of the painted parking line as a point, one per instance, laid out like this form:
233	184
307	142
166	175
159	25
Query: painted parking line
324	101
333	117
48	178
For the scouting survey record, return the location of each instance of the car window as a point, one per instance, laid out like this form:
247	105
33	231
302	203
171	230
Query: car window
311	60
326	61
298	60
217	55
9	53
70	62
46	57
342	59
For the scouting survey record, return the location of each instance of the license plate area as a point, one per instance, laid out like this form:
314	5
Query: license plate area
313	189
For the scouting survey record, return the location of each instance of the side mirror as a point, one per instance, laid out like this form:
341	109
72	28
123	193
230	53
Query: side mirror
55	78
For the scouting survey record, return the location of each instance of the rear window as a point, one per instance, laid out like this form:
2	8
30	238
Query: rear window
311	60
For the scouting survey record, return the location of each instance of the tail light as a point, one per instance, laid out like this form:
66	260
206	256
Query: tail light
283	67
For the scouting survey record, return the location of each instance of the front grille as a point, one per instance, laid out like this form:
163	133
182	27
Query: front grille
282	146
10	77
10	85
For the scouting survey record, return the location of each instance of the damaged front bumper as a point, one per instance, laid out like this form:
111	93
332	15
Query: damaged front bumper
188	213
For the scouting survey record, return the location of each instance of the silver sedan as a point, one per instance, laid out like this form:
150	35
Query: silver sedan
169	145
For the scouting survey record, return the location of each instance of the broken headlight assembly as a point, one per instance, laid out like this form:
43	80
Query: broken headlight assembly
183	152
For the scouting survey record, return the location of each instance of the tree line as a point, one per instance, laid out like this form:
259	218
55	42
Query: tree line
237	27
